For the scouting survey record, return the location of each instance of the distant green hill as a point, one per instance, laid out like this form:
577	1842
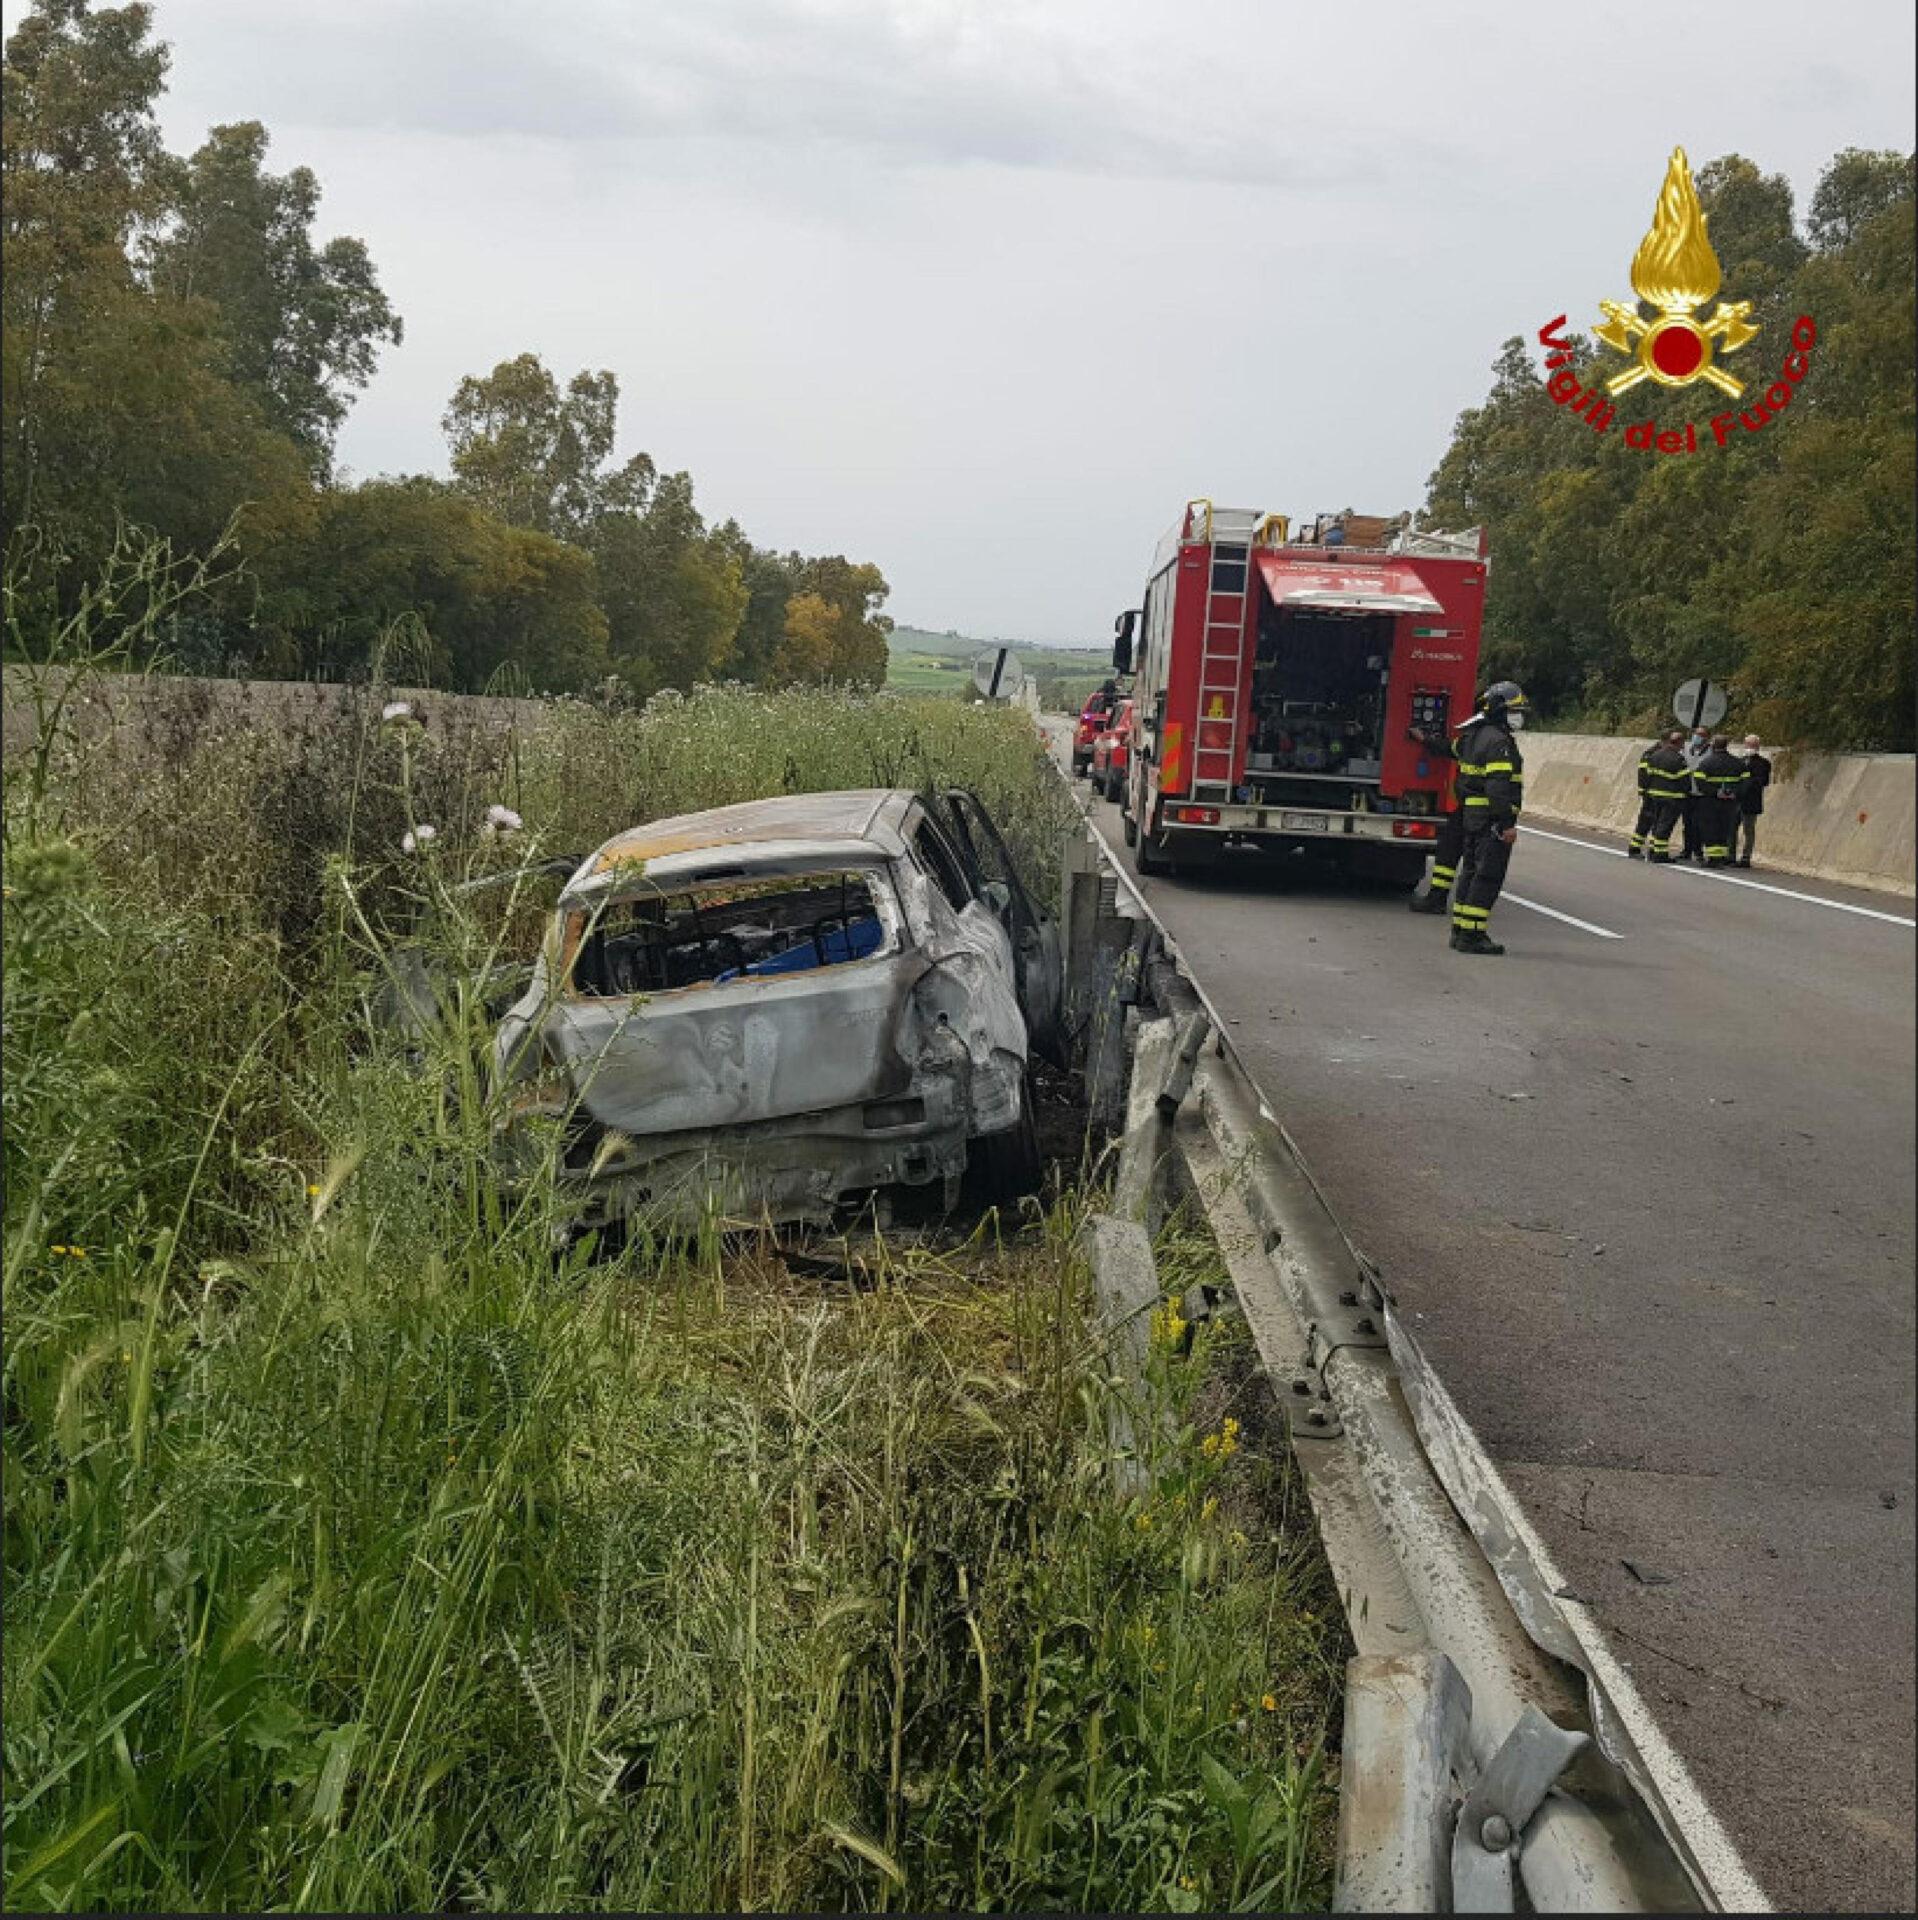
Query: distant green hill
930	662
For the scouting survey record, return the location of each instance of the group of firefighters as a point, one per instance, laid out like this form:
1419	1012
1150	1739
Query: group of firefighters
1696	783
1707	792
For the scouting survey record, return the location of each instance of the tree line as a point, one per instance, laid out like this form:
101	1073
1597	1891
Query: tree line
1781	561
180	350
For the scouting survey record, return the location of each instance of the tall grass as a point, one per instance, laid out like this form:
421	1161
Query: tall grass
360	1553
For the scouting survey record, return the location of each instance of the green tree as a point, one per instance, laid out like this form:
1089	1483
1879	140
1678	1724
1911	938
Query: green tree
809	642
538	458
302	325
482	595
83	173
674	594
768	579
855	591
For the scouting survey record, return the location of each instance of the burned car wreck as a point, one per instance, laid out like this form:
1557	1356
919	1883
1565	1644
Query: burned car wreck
778	1010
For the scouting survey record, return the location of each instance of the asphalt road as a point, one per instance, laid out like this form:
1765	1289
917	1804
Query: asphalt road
1644	1188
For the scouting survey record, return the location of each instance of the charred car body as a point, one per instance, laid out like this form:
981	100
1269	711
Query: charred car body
777	1009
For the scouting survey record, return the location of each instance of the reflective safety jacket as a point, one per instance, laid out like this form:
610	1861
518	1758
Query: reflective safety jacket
1666	775
1644	769
1491	776
1721	775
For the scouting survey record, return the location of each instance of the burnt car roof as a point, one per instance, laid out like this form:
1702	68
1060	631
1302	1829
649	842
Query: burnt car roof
794	825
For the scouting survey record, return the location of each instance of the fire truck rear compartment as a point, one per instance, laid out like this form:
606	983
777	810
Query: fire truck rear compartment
1318	705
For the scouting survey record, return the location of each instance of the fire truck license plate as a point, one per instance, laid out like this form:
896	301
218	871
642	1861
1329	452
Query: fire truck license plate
1304	823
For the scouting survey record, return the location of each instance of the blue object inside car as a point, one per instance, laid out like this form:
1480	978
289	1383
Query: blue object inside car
851	941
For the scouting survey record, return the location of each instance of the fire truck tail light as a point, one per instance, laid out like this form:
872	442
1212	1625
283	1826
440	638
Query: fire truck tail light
1197	816
1414	830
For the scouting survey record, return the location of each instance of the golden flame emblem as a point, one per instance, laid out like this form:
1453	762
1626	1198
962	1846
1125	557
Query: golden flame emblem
1676	271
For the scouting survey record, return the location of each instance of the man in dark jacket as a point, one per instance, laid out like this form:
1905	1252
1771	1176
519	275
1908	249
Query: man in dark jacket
1491	782
1751	798
1437	896
1667	781
1692	843
1647	806
1718	781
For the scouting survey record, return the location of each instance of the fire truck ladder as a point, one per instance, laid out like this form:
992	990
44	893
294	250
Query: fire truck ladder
1222	657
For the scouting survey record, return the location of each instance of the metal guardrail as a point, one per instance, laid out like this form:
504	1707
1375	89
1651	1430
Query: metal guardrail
1489	1733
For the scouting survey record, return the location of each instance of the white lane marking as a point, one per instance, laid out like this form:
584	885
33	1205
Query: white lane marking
1732	880
1590	846
1788	893
1552	913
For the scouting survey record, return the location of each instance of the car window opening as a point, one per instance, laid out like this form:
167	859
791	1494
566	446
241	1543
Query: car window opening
938	859
715	934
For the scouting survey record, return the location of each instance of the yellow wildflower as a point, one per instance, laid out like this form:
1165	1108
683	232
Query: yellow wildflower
1209	1509
1231	1428
312	1189
1210	1445
1268	1703
1143	1522
1237	1538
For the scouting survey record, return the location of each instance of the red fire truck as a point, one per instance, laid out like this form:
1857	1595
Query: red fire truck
1279	680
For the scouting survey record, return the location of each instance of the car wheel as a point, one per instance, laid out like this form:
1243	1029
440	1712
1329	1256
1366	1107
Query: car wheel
1150	853
1128	827
1004	1167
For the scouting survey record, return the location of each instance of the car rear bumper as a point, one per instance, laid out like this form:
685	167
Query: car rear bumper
804	1167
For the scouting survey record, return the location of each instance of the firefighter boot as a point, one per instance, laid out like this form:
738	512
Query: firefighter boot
1432	901
1474	941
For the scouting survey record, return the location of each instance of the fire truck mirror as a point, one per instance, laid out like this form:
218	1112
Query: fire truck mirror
1122	641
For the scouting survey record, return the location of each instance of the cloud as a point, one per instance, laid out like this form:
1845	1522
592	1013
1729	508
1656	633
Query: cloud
900	83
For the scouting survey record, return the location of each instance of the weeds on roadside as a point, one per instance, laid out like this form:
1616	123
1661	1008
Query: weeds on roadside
360	1553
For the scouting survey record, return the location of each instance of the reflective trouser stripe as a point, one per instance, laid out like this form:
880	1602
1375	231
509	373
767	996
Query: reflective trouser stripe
1443	876
1638	840
1469	916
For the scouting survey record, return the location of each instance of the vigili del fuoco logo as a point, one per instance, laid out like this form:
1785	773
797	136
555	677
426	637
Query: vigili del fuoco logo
1675	272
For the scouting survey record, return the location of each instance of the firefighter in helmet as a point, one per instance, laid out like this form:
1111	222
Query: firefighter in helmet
1491	779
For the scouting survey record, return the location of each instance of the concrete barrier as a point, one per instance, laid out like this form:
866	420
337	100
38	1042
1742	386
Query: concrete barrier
168	712
1846	817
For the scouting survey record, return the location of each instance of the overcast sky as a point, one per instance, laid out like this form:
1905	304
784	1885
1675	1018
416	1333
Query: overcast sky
983	291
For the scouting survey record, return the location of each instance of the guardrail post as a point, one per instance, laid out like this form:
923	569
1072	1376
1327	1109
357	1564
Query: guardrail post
1104	951
1406	1721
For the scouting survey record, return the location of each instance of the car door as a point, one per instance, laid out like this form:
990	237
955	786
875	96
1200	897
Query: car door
1034	934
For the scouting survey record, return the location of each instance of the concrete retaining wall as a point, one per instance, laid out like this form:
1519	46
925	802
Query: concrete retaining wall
1847	817
168	711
